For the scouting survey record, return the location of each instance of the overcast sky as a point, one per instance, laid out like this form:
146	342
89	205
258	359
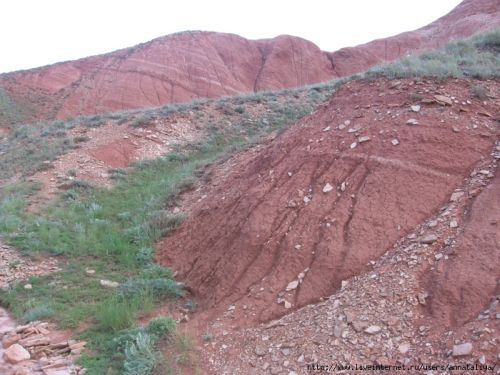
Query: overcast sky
41	32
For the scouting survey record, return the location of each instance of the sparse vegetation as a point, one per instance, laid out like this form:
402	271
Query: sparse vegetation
476	57
479	91
112	230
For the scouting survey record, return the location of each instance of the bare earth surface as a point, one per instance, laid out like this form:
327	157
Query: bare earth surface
193	64
382	204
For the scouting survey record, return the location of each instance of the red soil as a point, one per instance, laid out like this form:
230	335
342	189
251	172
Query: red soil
252	233
190	65
115	154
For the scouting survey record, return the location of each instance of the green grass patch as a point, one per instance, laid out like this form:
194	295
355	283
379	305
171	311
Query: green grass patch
111	231
475	57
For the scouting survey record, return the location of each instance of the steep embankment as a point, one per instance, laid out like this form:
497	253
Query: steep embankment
314	207
383	203
184	66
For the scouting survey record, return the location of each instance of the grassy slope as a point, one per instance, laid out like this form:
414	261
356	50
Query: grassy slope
110	231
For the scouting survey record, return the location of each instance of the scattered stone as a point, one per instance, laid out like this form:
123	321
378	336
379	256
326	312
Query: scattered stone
415	108
443	100
292	285
260	350
453	224
428	239
372	330
16	353
28	286
109	284
438	256
327	188
421	298
288	305
404	348
462	349
432	224
89	271
456	196
326	129
364	138
412	121
353	144
395	142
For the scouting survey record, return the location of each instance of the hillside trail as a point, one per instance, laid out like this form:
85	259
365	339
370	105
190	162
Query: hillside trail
365	234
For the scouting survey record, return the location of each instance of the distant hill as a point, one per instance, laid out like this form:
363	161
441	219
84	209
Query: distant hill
192	64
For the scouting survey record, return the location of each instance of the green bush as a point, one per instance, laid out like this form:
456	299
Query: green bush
38	312
161	326
115	314
140	358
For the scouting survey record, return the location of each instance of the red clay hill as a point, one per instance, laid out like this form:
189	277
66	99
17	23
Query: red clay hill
188	65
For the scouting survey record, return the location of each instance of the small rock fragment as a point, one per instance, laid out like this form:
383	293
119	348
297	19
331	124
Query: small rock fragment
109	284
404	348
327	188
364	138
415	108
428	239
16	353
292	285
395	142
412	121
462	349
443	100
372	330
456	196
260	350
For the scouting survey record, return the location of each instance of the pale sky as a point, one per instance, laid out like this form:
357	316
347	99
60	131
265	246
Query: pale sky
40	32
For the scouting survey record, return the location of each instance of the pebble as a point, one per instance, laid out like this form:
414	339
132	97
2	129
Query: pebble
453	224
353	144
428	239
372	330
404	348
462	349
395	142
456	196
109	284
327	188
28	286
260	350
412	121
292	285
364	138
415	108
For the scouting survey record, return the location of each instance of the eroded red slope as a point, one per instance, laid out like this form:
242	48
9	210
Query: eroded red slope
336	191
190	65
